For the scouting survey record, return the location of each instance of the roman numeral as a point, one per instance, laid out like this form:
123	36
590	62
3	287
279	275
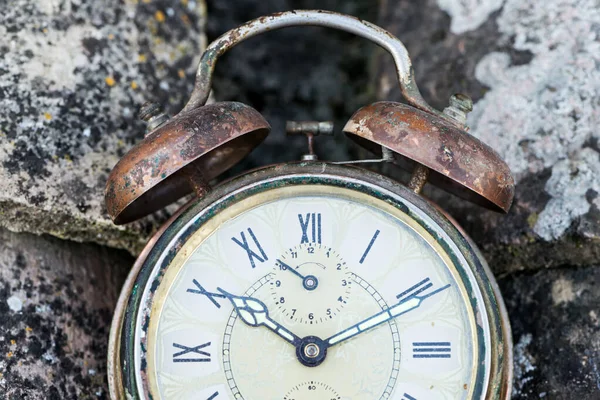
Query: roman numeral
212	396
419	288
431	349
243	243
407	396
209	295
314	220
362	259
197	353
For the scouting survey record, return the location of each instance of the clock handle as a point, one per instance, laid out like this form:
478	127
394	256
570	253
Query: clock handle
347	23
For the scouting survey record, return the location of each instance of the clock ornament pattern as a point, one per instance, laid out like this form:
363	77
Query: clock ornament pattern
305	294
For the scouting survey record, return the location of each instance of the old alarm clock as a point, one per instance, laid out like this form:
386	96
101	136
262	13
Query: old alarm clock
309	279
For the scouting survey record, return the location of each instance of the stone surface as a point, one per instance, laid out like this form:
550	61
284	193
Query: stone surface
56	303
533	70
72	76
556	327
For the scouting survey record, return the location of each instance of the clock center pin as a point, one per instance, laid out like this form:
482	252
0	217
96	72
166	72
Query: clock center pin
311	351
310	282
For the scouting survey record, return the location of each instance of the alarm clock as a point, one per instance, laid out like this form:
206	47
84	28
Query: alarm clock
310	279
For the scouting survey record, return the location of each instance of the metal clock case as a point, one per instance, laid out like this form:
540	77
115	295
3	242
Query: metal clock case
308	280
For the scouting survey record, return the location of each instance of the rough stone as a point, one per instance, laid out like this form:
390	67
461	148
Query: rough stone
556	329
533	70
72	76
531	67
56	303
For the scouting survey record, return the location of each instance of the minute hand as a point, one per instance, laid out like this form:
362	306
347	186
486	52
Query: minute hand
404	306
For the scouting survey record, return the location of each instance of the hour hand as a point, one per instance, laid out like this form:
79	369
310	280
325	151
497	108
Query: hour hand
255	313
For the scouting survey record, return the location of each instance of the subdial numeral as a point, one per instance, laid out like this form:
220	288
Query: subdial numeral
313	280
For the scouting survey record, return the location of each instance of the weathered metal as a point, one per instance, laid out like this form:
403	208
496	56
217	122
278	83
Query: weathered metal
460	106
310	129
115	383
460	163
204	141
153	115
365	29
183	154
135	309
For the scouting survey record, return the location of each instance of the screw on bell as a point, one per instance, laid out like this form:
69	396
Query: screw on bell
310	129
460	106
153	114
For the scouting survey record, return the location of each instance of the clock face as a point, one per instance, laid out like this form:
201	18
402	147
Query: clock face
312	292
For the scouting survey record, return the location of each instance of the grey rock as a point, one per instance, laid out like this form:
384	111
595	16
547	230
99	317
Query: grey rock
72	76
533	70
56	303
556	329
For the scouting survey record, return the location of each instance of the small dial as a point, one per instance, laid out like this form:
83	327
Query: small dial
312	390
311	283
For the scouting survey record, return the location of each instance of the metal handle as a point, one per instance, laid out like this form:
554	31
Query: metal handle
329	19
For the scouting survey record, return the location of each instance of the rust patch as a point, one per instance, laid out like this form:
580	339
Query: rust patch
460	163
208	139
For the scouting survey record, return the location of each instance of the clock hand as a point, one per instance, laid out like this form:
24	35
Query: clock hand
402	307
292	270
310	282
254	313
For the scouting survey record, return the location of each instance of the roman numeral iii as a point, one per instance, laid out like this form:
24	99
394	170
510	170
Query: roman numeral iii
311	227
432	349
191	354
252	255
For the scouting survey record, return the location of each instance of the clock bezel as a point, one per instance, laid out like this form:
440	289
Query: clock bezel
122	372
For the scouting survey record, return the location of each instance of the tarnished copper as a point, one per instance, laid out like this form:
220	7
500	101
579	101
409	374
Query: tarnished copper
460	163
202	142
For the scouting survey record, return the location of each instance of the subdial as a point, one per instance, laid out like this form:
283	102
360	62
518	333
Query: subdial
312	390
311	283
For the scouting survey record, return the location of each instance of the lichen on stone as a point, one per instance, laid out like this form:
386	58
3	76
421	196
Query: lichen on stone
72	76
468	14
544	114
